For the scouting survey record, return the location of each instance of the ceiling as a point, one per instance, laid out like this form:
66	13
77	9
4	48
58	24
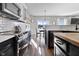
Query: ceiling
53	9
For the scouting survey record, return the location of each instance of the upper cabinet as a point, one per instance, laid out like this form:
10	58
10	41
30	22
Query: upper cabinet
25	16
10	10
15	11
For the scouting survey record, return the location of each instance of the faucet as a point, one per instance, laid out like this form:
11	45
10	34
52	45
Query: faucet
76	26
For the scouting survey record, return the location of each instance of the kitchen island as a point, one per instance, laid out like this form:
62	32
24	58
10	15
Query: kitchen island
49	36
66	44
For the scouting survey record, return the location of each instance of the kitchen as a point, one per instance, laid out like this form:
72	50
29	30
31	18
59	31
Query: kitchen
39	29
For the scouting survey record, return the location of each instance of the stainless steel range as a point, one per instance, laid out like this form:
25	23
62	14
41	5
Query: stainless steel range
23	37
23	41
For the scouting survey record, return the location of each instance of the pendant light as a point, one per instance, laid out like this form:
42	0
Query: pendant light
45	16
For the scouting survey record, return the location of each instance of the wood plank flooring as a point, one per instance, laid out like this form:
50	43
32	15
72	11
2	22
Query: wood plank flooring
37	48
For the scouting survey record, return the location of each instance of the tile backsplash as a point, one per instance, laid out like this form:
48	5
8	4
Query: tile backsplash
6	24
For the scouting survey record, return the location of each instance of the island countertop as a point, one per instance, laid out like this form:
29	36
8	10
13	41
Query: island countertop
70	37
65	31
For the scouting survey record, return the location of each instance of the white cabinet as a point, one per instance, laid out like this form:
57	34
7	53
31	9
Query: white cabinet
10	10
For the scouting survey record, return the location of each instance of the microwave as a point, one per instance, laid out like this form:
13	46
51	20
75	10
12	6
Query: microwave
10	10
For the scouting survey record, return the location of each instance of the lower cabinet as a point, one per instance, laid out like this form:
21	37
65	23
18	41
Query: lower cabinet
7	51
73	50
64	48
49	39
7	48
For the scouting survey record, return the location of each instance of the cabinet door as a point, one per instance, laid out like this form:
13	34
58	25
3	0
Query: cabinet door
7	48
12	8
50	39
73	50
7	51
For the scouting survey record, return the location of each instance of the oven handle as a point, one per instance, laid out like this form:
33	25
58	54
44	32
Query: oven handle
24	46
59	42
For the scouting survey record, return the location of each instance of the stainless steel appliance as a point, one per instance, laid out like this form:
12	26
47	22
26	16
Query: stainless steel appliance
23	41
23	36
60	47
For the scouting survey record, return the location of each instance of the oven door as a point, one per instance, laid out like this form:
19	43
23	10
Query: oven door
23	44
61	43
58	51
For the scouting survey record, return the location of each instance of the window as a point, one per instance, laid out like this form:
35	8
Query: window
42	22
61	21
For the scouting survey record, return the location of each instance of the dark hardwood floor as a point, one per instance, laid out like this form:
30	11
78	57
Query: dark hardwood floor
37	48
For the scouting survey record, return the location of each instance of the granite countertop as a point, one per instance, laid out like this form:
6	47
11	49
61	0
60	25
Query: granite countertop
70	37
5	37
